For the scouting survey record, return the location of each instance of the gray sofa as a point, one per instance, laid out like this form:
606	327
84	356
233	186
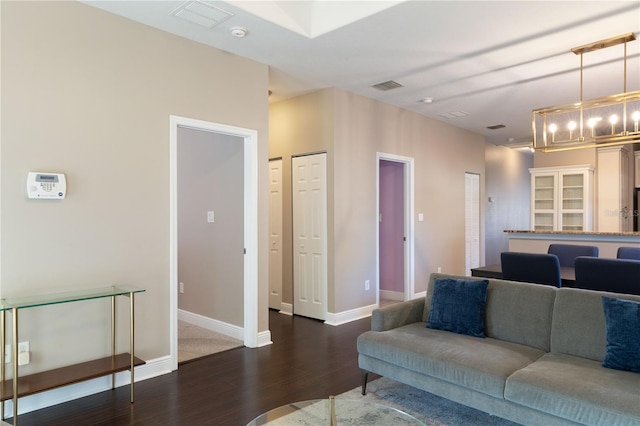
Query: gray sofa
540	364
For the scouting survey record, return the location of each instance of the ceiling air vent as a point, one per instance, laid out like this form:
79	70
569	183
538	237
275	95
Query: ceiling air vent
387	85
453	114
496	127
203	14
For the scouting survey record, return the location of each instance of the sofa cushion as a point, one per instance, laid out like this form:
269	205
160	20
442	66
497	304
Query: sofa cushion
622	318
479	364
577	389
458	305
578	322
515	312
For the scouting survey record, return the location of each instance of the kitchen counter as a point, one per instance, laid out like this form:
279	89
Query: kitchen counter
538	241
527	231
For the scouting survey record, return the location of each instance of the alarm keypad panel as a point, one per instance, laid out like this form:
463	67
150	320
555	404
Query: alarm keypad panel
46	185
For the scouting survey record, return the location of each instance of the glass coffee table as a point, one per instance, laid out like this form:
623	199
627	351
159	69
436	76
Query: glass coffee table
335	412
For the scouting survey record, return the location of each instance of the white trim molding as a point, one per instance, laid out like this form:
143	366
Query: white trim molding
392	295
250	138
221	327
264	339
286	308
350	315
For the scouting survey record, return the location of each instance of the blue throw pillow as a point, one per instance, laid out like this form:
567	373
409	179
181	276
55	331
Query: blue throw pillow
622	318
458	305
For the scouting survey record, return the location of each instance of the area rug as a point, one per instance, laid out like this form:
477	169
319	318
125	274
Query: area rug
426	407
195	342
319	413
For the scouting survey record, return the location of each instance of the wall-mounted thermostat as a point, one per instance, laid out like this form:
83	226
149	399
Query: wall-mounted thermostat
52	186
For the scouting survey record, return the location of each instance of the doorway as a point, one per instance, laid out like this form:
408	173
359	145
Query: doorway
210	242
391	229
249	138
394	207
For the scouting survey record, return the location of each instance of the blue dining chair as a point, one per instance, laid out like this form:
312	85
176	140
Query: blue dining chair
539	268
603	274
567	253
628	253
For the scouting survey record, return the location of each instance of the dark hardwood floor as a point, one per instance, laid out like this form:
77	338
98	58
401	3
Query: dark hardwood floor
307	360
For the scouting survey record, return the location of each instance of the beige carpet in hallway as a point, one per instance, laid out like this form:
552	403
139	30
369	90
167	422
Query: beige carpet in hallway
195	342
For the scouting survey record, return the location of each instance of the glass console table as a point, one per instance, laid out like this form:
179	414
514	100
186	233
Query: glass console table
17	387
335	412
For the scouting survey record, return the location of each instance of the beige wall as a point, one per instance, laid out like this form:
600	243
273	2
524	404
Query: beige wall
565	158
508	183
89	94
442	154
352	129
210	255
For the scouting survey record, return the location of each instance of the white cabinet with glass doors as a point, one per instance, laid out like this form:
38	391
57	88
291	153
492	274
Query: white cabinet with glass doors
562	198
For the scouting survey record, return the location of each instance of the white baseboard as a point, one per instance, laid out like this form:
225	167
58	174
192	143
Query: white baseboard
264	338
392	295
358	313
286	308
212	324
153	368
348	316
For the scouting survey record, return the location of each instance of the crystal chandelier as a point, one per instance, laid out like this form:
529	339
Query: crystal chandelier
605	121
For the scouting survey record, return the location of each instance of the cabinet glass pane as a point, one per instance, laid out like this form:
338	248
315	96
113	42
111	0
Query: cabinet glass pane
544	182
573	192
572	221
543	222
544	194
573	180
544	204
572	203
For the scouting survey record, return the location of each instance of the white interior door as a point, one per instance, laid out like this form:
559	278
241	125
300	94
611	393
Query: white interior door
472	221
309	182
275	234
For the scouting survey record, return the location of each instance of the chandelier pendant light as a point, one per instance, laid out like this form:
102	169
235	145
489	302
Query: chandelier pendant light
605	121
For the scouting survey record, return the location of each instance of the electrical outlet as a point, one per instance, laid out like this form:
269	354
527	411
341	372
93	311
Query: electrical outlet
367	285
439	269
181	287
23	353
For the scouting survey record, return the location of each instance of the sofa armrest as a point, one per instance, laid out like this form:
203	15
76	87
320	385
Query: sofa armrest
397	315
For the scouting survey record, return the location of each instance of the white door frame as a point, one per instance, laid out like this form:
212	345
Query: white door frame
409	251
275	213
468	250
250	137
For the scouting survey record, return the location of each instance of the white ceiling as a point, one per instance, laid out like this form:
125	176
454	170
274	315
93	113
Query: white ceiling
494	60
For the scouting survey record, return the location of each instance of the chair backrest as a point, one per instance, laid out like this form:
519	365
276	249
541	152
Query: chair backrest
567	253
613	275
536	268
628	253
